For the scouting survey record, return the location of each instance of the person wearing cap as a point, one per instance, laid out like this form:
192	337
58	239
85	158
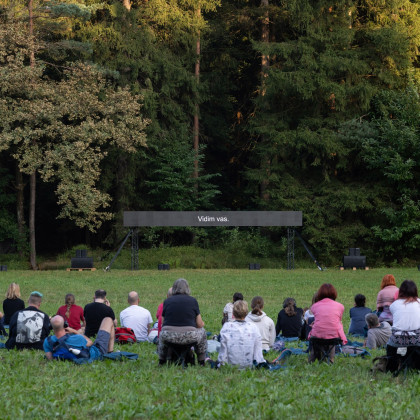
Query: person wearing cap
29	327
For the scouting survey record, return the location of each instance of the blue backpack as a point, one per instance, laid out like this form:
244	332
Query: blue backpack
61	350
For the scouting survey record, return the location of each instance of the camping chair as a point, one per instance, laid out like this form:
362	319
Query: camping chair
411	360
181	354
322	348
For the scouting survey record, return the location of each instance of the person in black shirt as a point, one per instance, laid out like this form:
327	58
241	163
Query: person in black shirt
12	303
29	327
96	311
290	319
182	323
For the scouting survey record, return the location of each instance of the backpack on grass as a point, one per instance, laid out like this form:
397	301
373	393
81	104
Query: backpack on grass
125	335
61	350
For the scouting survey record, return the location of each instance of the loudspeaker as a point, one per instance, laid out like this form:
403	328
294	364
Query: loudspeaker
352	261
81	253
3	267
354	252
255	266
82	262
163	267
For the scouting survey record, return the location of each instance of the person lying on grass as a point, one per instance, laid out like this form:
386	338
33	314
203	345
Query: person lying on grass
103	344
240	341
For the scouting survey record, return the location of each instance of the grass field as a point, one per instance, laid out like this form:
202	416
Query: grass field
34	388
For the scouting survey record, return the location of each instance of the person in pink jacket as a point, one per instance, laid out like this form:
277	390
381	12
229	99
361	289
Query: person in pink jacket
386	296
327	325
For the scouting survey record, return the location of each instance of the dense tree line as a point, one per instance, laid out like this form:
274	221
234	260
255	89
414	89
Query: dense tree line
242	105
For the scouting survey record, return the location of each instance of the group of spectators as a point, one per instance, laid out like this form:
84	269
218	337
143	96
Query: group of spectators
244	336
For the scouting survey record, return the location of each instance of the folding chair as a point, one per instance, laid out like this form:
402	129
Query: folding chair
322	348
181	355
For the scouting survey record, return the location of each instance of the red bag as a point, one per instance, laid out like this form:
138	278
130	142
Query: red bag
124	335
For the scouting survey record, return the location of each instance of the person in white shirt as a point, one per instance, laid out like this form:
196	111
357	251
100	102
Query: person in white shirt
227	310
264	323
240	341
405	312
137	318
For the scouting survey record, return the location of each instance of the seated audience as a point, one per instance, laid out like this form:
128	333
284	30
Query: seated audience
30	326
96	311
378	332
327	325
240	341
264	323
136	317
406	326
227	310
357	316
103	344
159	312
12	303
72	313
182	323
289	319
308	319
385	298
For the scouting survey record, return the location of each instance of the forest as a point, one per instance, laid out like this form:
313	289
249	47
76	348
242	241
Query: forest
310	105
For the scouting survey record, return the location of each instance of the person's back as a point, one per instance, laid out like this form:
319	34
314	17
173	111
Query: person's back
137	318
30	326
264	323
357	315
71	312
95	312
290	319
240	341
13	303
378	336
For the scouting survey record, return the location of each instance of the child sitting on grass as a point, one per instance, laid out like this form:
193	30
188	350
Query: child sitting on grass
357	315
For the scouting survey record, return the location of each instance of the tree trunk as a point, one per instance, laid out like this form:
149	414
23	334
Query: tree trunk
32	177
19	209
265	37
196	128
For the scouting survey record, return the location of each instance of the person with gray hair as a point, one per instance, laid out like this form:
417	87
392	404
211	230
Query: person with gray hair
378	333
182	323
136	317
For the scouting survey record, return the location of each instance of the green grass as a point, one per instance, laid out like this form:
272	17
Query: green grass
32	387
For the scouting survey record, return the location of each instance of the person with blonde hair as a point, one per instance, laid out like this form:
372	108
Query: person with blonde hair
72	313
240	341
13	303
264	323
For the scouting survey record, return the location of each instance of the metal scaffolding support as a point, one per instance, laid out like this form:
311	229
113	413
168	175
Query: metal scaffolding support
291	248
134	249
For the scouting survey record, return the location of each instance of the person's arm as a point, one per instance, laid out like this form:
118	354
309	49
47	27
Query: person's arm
199	321
278	325
272	334
258	354
223	355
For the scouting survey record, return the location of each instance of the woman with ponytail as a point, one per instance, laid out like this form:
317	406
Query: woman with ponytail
264	323
290	319
72	313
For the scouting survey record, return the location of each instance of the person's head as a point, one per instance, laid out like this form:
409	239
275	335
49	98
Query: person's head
69	300
13	292
133	298
372	320
100	294
327	290
257	305
240	309
289	306
237	296
388	280
169	294
57	323
35	299
181	287
408	291
360	300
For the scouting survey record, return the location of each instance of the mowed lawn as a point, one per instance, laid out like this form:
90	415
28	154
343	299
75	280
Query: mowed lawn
34	388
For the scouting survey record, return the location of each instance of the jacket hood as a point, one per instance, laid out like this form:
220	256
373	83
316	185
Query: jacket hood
256	318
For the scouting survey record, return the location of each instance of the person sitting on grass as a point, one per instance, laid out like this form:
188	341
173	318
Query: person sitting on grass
227	310
357	316
96	311
103	344
264	323
290	319
29	327
386	296
72	313
12	303
378	333
327	329
240	341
